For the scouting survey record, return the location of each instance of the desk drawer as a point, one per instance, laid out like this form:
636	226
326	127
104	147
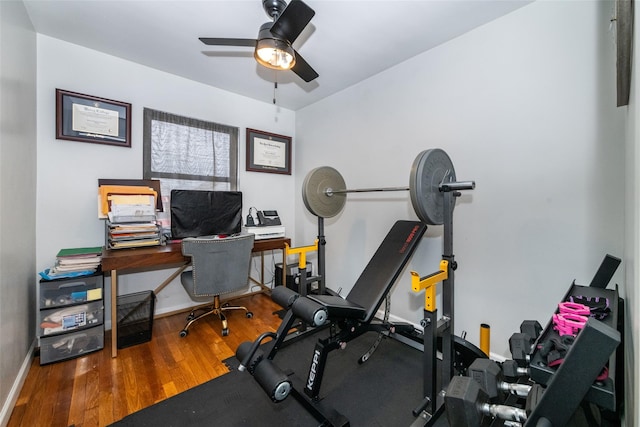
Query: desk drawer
59	293
67	346
64	319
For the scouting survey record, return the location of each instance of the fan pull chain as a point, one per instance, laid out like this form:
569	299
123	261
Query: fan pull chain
275	86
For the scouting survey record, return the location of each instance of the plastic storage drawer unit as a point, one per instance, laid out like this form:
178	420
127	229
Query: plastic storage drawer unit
58	293
74	344
68	318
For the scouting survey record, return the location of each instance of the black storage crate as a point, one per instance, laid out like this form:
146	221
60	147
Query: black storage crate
293	275
135	318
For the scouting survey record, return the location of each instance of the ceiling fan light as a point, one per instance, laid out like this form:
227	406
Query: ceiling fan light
275	54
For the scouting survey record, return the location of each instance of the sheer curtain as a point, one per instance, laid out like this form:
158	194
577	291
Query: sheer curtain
187	153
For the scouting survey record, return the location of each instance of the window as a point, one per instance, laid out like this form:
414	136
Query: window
189	154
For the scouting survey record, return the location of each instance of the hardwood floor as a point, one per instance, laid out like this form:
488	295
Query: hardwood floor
97	390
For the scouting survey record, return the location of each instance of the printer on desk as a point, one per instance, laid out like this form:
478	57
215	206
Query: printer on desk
266	225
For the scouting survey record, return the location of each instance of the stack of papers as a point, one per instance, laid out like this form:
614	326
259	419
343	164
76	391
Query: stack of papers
126	196
130	211
133	235
74	262
132	208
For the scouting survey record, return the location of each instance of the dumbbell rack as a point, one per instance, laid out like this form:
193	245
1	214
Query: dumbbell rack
574	379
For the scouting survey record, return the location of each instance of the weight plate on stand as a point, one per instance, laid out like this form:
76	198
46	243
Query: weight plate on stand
427	172
314	192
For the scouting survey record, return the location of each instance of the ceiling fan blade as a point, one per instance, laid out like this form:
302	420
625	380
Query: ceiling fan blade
228	42
303	69
295	17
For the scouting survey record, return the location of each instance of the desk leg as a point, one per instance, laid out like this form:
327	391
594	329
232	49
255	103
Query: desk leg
262	270
114	304
169	279
265	288
114	313
284	267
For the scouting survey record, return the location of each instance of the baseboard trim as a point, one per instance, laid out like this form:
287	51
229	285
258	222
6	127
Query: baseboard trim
14	393
396	319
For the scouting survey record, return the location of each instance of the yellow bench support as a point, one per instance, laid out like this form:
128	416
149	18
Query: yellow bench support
428	283
302	251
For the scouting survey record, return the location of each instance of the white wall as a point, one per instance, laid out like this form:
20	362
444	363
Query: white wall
17	199
525	106
68	171
632	243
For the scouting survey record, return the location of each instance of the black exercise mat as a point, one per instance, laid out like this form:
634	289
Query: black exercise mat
380	392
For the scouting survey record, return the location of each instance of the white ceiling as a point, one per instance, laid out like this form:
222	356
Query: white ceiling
346	41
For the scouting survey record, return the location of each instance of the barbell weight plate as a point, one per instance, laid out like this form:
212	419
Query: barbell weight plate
427	172
314	192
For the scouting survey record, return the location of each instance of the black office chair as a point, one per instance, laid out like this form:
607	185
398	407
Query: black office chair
219	266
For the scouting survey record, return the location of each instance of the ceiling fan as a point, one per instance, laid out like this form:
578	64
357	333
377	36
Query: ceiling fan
273	46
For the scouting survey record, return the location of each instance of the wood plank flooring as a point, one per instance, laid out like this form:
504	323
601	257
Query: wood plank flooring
97	390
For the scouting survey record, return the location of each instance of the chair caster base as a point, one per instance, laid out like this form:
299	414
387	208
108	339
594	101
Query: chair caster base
225	332
249	315
184	333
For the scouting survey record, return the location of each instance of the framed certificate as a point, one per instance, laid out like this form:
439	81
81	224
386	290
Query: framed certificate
88	118
268	152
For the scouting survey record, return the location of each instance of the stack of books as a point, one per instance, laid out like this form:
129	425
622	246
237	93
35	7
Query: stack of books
74	262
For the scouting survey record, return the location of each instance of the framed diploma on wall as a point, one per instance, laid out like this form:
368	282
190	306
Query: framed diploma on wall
268	152
88	118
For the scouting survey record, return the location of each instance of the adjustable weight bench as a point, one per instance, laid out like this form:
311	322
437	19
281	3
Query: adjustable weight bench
349	318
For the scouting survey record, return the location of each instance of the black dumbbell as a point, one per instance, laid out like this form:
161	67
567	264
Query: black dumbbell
533	328
521	343
488	375
511	369
520	347
467	404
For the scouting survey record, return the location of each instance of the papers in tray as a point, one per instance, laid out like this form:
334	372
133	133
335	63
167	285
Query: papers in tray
126	199
132	208
134	244
131	216
133	235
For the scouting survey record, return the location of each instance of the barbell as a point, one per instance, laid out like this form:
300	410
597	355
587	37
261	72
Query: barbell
324	190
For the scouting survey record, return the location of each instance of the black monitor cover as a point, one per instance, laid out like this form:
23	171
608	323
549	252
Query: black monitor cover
203	213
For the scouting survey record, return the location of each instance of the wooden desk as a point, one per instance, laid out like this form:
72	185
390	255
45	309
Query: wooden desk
118	260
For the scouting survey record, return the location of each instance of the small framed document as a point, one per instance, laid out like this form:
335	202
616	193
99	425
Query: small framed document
268	152
88	118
